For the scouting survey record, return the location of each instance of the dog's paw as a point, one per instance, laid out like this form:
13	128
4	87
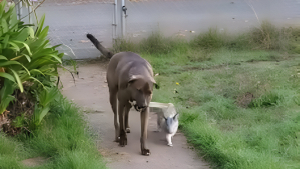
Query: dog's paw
127	130
146	152
117	139
123	140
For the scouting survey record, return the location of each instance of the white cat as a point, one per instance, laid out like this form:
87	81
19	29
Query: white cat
167	119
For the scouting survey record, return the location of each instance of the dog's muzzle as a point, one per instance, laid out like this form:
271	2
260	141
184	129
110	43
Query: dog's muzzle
139	109
136	107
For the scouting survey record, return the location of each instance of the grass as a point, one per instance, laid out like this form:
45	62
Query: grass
262	135
237	95
63	139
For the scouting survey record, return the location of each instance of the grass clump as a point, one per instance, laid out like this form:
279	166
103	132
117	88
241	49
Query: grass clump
209	40
268	99
11	151
121	45
267	36
155	44
63	138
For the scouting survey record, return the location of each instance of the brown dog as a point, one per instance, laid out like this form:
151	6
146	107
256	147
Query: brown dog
130	80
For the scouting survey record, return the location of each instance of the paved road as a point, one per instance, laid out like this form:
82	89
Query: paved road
171	17
70	20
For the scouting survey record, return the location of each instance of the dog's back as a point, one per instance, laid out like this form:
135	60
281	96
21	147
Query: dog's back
125	64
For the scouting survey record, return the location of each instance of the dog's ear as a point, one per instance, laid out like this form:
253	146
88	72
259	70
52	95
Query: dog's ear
146	89
152	80
156	86
133	78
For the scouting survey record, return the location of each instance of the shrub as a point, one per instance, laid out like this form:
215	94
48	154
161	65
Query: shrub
24	54
267	36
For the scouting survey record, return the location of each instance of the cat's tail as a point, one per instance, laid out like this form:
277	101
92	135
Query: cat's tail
98	45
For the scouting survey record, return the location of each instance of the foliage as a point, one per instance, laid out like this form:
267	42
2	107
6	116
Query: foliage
43	106
24	54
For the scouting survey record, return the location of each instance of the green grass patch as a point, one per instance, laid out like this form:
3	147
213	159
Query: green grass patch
242	115
63	138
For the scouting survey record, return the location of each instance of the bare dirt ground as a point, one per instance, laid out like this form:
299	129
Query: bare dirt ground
91	92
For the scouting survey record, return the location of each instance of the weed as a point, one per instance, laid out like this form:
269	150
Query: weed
267	36
156	44
122	45
294	41
268	99
209	40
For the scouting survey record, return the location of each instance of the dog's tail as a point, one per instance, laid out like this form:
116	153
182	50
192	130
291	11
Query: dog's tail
98	45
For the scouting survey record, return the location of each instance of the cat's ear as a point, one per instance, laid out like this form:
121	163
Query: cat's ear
165	117
176	116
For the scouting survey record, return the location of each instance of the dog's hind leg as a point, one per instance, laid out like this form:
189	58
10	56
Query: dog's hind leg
127	109
113	102
123	137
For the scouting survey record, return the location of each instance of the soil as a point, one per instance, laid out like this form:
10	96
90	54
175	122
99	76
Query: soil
33	162
244	100
22	107
90	91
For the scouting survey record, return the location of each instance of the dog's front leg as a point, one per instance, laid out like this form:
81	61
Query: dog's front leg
127	109
123	137
144	125
113	102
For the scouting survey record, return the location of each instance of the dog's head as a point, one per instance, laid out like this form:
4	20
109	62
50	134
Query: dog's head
141	91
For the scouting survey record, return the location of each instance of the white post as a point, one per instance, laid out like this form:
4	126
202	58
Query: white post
123	18
18	8
29	11
115	20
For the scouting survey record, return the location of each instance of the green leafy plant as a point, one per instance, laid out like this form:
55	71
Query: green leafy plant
42	108
24	54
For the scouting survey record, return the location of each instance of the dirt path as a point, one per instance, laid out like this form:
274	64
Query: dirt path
91	93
